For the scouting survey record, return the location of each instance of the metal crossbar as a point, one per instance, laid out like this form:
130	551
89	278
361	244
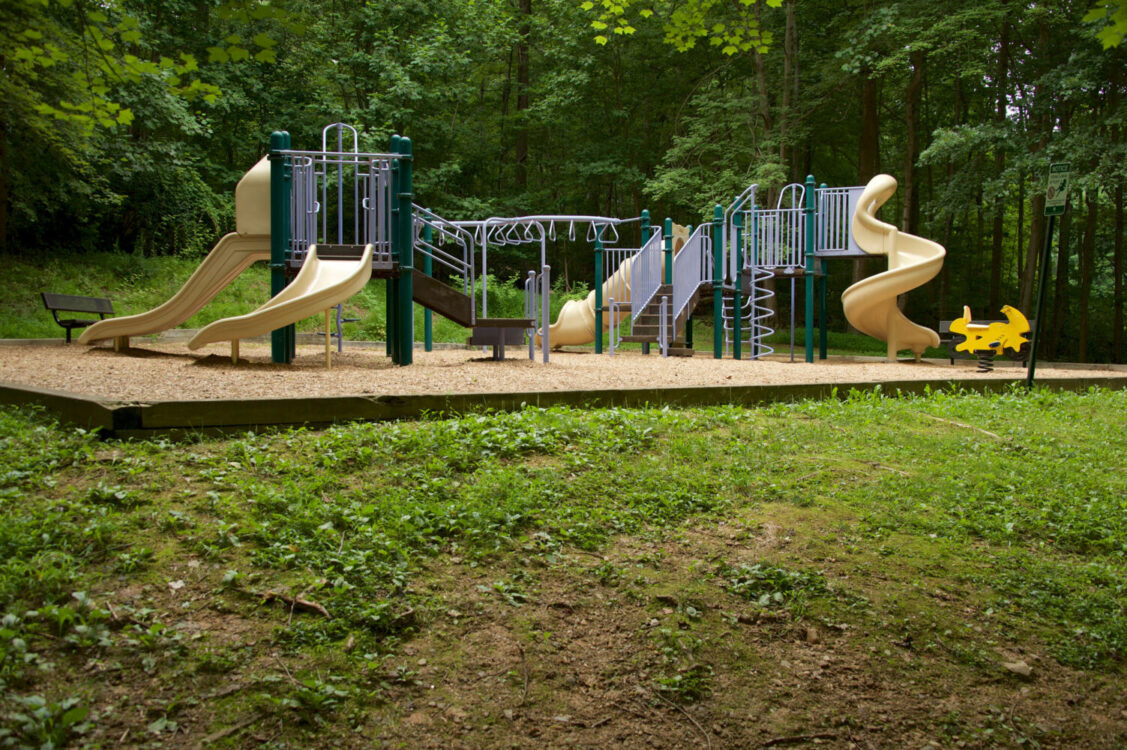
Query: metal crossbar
518	230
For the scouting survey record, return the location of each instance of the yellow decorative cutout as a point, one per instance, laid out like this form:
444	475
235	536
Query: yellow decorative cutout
996	336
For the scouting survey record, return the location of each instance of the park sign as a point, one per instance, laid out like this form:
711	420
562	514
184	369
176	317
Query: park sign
1056	194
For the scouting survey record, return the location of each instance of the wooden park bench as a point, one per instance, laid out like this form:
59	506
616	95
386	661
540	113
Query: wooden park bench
73	303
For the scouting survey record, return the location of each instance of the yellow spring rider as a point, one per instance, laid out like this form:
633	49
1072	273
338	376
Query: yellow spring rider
989	340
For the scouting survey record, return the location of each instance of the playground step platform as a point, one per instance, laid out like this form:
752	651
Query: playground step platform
499	333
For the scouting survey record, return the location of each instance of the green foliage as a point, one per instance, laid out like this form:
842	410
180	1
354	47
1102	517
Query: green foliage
769	585
733	27
38	723
1114	12
946	526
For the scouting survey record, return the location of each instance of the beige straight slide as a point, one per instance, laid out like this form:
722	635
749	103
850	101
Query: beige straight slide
320	284
233	254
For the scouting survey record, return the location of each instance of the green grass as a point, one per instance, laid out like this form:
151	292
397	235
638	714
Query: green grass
956	523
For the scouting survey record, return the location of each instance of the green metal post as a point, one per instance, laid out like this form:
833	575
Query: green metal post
279	236
718	282
392	284
668	276
428	269
737	293
291	329
809	255
405	300
599	293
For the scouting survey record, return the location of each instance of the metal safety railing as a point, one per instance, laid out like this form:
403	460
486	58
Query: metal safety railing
646	274
833	220
339	195
779	239
444	234
692	266
538	309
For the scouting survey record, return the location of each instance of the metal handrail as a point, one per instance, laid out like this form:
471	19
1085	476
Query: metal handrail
744	203
692	266
538	309
645	274
312	203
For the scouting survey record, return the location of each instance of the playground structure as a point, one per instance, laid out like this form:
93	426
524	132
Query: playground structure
330	220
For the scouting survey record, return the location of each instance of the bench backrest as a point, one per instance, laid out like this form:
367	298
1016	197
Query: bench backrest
75	303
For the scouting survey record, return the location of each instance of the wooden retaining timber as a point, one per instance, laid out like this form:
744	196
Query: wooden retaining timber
219	416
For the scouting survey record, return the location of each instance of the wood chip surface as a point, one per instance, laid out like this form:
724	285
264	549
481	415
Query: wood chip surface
168	371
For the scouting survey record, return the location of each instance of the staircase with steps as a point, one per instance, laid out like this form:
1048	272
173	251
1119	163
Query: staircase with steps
647	325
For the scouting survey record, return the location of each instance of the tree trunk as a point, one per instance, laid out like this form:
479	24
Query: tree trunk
868	161
506	93
5	167
908	188
1033	251
1040	124
1087	266
1001	72
790	80
1019	268
1055	323
1117	271
523	85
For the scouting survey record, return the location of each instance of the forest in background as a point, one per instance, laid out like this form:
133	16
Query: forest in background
125	124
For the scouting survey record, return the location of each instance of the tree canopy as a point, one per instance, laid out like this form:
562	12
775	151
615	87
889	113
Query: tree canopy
125	124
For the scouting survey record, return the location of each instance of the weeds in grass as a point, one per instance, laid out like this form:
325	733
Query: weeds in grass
771	585
1010	501
39	723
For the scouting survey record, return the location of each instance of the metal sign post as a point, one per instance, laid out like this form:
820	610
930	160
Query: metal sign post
1056	200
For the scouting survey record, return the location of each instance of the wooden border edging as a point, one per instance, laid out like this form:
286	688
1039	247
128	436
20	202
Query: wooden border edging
179	418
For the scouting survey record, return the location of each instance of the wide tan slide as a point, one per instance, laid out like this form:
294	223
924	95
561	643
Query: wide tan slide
233	254
319	285
870	304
